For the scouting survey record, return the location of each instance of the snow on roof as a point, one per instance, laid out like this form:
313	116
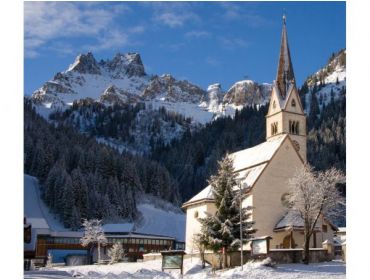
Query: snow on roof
77	234
125	227
206	193
38	223
290	219
257	154
249	163
142	235
248	178
341	229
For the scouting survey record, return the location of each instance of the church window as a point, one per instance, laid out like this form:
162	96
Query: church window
296	129
274	104
324	228
293	103
196	214
274	128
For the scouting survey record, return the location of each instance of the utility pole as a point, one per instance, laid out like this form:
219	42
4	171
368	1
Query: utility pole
240	220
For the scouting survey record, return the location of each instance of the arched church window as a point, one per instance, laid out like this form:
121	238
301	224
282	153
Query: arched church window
296	128
293	102
274	104
290	126
196	214
274	128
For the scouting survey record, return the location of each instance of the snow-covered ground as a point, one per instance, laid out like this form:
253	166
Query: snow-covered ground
193	270
155	220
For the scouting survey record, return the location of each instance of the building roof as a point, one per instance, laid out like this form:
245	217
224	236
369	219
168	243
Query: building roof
259	154
285	75
249	164
291	220
112	228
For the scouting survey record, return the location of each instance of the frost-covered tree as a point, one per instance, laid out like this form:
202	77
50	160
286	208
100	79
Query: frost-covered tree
222	230
116	253
313	194
93	234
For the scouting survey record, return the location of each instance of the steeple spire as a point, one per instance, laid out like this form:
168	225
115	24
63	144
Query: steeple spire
285	74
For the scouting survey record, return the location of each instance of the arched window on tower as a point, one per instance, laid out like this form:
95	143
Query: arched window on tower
293	102
274	128
296	128
274	104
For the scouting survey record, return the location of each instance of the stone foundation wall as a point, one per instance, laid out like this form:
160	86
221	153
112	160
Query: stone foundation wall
277	255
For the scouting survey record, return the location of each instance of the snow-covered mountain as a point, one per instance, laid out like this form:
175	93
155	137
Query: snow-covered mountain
248	92
123	80
328	82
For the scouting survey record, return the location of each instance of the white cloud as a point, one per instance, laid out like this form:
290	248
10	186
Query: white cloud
232	43
173	14
197	34
47	22
240	11
109	40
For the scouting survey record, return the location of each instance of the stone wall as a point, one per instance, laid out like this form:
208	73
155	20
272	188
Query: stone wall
277	255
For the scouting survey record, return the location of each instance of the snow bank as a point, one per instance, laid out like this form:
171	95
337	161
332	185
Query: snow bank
193	270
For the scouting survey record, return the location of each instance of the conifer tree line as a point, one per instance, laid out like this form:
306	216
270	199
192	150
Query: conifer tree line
81	179
122	122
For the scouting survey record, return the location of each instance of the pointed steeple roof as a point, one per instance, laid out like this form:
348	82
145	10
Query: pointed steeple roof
285	74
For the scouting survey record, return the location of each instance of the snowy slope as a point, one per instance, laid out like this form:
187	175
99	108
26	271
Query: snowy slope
35	210
329	81
161	222
154	219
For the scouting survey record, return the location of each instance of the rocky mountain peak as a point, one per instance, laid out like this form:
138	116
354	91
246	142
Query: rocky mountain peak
129	64
85	64
248	92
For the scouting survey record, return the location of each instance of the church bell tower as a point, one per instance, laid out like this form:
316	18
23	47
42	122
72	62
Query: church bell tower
285	114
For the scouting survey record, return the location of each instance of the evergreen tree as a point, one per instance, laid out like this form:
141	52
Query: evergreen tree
222	230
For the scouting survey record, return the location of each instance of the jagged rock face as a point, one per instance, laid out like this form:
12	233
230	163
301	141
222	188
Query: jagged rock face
85	64
248	93
170	89
336	67
113	95
129	65
213	98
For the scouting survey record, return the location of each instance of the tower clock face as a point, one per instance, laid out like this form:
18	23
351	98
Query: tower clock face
296	145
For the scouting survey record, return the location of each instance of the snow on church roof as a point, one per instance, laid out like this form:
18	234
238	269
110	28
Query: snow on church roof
291	219
206	193
249	163
257	154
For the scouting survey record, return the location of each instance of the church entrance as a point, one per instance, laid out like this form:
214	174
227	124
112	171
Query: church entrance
288	241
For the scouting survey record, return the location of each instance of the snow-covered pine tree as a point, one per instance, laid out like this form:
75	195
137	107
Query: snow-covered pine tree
222	230
116	253
93	234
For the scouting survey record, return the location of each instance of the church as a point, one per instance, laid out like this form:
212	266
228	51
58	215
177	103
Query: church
264	170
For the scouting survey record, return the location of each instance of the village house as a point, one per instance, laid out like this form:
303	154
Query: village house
264	170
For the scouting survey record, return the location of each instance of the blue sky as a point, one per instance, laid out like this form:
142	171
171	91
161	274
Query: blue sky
203	42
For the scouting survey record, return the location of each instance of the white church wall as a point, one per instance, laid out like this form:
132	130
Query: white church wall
193	226
268	191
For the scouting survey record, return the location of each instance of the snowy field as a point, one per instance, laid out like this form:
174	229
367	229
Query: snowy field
193	270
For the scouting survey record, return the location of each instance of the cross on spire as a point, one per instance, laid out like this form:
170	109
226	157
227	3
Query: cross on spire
285	74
